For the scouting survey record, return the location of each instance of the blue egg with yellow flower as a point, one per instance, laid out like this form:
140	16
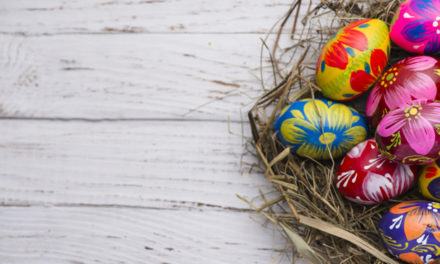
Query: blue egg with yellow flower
309	126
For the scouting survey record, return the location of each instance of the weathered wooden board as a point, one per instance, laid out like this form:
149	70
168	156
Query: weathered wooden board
151	164
68	235
195	76
139	16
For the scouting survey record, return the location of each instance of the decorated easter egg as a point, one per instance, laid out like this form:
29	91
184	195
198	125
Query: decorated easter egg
308	126
409	79
411	231
429	181
415	26
411	133
353	60
366	176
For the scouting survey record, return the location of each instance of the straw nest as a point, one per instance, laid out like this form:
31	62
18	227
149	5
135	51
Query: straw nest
321	225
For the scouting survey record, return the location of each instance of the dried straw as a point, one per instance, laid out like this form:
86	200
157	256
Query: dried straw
323	226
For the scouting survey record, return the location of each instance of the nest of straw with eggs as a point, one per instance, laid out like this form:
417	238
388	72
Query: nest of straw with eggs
321	225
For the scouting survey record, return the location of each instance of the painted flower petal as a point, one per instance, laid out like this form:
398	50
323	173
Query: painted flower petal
354	39
336	56
391	122
421	86
418	31
316	112
416	222
360	81
420	135
356	24
293	130
396	96
378	61
425	8
431	112
411	257
419	63
339	117
433	44
406	207
352	137
373	100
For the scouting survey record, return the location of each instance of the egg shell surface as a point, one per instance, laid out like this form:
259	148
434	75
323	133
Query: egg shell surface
409	79
415	26
411	133
366	176
353	59
308	126
429	181
411	231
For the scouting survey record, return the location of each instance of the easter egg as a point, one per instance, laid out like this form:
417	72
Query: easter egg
429	181
411	231
353	59
310	125
366	176
411	133
415	26
409	79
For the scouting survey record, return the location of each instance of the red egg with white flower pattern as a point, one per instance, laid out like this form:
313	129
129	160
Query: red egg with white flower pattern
411	133
409	79
366	176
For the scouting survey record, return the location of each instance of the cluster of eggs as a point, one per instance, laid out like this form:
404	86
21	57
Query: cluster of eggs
402	108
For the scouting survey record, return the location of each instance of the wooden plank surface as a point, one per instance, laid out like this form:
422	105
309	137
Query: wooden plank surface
114	143
155	164
45	17
68	235
187	76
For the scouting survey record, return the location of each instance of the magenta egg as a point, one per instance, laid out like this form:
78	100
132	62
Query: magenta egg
409	79
366	176
411	133
416	26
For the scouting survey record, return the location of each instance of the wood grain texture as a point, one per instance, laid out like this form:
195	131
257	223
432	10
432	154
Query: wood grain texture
28	17
195	76
69	235
206	76
114	145
157	165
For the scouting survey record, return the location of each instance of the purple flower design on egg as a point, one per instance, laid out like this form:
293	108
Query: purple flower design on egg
426	29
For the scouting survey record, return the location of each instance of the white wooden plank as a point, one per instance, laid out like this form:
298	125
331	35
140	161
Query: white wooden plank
116	236
139	16
155	164
197	76
206	76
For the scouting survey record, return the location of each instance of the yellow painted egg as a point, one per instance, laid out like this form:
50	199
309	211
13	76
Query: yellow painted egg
353	59
429	181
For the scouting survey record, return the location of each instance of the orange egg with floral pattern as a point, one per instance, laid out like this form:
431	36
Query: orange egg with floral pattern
353	60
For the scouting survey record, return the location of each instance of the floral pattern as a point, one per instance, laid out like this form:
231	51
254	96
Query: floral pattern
361	80
415	122
366	176
409	79
352	60
416	26
335	54
309	126
411	231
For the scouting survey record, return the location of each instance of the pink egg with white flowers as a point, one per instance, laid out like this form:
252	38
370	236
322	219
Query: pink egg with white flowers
366	176
409	79
411	133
